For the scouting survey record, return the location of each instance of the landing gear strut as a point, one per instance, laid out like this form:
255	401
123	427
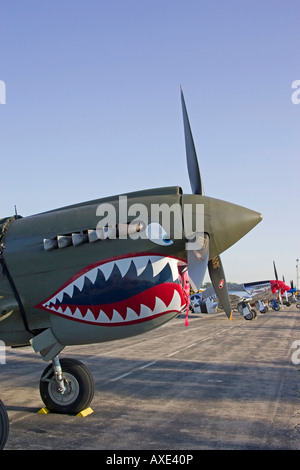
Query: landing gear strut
66	386
4	426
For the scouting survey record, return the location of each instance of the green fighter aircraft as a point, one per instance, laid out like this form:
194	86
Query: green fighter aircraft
109	269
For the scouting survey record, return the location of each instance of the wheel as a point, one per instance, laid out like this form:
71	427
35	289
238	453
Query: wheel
254	313
79	385
249	316
4	426
298	305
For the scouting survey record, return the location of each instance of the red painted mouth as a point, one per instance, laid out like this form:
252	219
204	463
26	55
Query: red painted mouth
121	291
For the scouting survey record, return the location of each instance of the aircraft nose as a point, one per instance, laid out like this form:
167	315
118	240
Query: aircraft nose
225	223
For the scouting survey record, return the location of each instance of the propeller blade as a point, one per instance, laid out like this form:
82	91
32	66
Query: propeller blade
218	280
197	261
191	156
275	271
197	258
278	286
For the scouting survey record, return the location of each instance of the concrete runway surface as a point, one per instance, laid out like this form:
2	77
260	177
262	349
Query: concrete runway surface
216	384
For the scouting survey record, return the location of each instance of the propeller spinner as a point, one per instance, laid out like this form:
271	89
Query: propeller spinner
224	224
280	286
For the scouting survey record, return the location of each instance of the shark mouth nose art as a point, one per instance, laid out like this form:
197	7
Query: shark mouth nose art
121	291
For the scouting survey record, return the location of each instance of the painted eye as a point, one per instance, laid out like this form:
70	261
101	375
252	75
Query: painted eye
156	233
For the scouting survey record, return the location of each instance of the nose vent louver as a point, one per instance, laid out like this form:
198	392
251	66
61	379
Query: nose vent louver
91	236
73	239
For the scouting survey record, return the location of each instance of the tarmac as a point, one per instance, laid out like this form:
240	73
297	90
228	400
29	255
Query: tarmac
212	385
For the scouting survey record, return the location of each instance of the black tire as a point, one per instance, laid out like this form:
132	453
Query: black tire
4	426
249	316
79	385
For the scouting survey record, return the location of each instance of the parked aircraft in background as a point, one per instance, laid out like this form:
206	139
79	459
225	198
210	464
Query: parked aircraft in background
244	297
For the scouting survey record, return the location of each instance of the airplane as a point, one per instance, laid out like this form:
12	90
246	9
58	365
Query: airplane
245	296
292	292
282	289
70	279
240	298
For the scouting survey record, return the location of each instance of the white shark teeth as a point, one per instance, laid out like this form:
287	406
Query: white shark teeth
144	314
158	263
106	269
176	300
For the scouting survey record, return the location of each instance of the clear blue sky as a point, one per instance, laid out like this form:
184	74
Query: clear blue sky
93	109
